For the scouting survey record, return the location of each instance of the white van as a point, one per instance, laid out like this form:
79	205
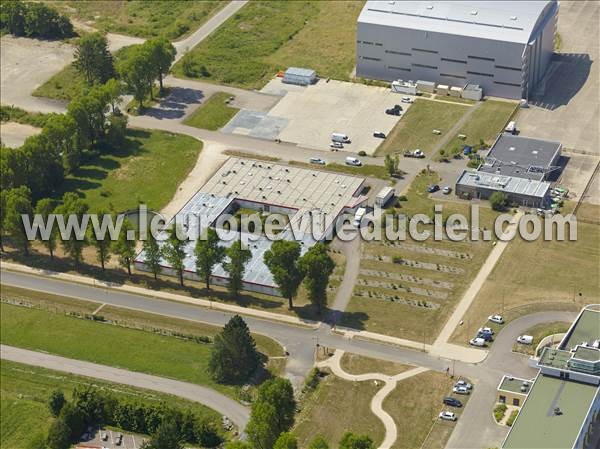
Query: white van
353	161
339	137
358	216
511	128
525	339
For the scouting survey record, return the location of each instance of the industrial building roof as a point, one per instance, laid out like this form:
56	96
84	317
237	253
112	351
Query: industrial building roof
510	21
293	191
585	329
522	157
538	426
506	184
515	385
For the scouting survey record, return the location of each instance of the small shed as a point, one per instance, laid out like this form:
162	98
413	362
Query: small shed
425	86
404	87
299	76
455	91
472	92
442	89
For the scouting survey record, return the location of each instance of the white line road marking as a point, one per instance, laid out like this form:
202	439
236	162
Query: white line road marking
98	309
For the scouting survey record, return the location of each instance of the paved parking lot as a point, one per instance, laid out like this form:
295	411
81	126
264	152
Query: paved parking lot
578	170
13	134
130	441
568	111
309	115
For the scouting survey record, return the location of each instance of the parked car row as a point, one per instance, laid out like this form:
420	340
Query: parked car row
460	387
486	334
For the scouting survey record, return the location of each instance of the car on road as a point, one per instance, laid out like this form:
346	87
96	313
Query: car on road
477	342
463	383
447	190
433	188
453	402
461	390
448	416
379	135
525	339
406	100
336	145
317	160
496	319
353	161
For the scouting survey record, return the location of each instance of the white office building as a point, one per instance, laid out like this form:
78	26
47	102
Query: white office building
503	46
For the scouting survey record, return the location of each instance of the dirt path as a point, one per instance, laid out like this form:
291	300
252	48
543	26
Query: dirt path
391	431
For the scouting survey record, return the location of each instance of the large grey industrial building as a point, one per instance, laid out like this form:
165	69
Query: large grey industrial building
503	46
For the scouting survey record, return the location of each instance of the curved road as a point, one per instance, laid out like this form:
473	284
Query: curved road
238	413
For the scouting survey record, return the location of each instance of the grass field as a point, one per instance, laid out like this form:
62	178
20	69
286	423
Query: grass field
335	407
414	130
264	37
147	169
485	124
539	332
102	343
64	85
213	114
358	364
536	276
171	19
407	289
25	390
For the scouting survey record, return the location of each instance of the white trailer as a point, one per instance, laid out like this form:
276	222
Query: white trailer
340	137
384	196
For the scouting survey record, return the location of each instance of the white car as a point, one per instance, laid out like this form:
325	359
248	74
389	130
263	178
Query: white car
406	100
448	416
525	339
317	160
477	342
446	190
336	145
461	390
463	383
486	330
496	319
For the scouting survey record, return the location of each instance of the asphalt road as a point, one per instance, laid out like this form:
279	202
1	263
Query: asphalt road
238	413
475	429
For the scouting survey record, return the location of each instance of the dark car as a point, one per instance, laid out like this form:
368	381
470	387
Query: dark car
485	336
433	188
379	135
392	111
452	402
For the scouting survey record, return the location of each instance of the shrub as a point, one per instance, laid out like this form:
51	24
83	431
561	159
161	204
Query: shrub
512	417
312	380
56	402
397	259
499	412
498	201
362	153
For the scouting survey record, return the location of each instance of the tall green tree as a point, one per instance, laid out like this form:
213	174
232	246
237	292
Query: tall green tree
163	54
153	255
56	401
114	92
89	113
137	72
18	203
93	59
391	164
12	17
235	266
73	243
352	441
282	261
233	357
498	201
174	252
124	247
59	435
166	436
60	133
318	442
44	208
316	266
286	441
272	413
208	254
102	244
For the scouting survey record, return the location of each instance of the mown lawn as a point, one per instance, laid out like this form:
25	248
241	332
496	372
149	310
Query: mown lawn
172	19
336	407
97	342
25	390
264	37
485	124
539	332
358	364
414	130
213	114
146	170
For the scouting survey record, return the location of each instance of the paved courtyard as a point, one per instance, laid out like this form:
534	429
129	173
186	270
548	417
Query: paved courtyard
309	115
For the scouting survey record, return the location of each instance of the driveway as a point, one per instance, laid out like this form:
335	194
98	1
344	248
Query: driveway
238	413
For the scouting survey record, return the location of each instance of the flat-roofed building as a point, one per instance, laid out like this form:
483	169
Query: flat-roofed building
503	46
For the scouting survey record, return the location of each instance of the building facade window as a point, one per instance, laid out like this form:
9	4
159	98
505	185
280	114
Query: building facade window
394	52
453	76
481	74
503	67
398	68
507	84
481	58
460	61
422	50
425	66
378	44
370	59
